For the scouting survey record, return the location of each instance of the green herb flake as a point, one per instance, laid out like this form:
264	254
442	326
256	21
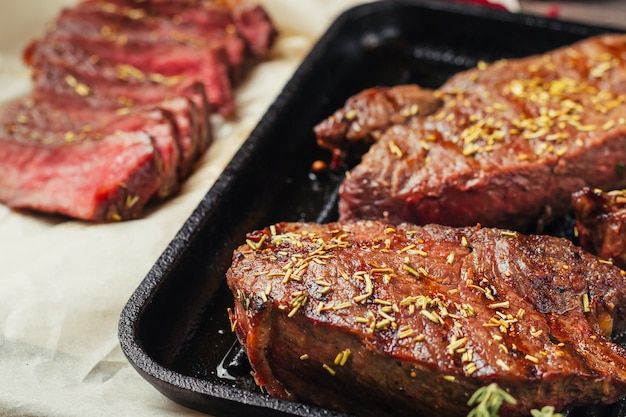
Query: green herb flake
488	401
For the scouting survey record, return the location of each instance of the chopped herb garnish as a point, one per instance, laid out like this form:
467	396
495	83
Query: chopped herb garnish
488	401
547	411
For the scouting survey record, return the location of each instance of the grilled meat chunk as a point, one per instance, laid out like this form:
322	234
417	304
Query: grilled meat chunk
368	114
601	223
374	319
133	83
509	144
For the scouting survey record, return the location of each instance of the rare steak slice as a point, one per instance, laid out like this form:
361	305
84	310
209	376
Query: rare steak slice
601	223
132	74
374	319
109	179
98	22
134	83
507	146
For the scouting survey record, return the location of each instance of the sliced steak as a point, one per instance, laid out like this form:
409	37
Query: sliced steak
241	27
131	74
372	319
508	146
151	73
91	24
601	223
108	179
253	23
171	127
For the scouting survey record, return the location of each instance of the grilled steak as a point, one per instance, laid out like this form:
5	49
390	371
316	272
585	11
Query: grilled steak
368	114
509	144
123	92
378	320
601	223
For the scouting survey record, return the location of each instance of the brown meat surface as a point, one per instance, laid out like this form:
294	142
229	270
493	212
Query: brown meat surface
509	144
368	114
374	319
601	223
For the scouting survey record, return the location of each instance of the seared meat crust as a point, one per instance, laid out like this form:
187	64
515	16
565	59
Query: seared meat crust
374	319
507	146
601	223
367	115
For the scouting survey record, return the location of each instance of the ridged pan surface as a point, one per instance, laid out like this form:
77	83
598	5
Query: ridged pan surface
175	329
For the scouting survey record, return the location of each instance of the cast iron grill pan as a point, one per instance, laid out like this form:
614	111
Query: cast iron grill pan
174	329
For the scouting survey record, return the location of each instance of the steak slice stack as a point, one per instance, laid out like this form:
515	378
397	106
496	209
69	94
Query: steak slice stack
374	319
504	144
601	223
121	103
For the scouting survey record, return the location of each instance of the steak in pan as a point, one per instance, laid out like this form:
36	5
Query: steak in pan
374	319
121	104
503	144
601	223
366	115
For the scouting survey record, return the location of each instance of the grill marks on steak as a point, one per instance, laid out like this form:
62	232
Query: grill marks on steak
507	147
137	78
601	223
373	319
